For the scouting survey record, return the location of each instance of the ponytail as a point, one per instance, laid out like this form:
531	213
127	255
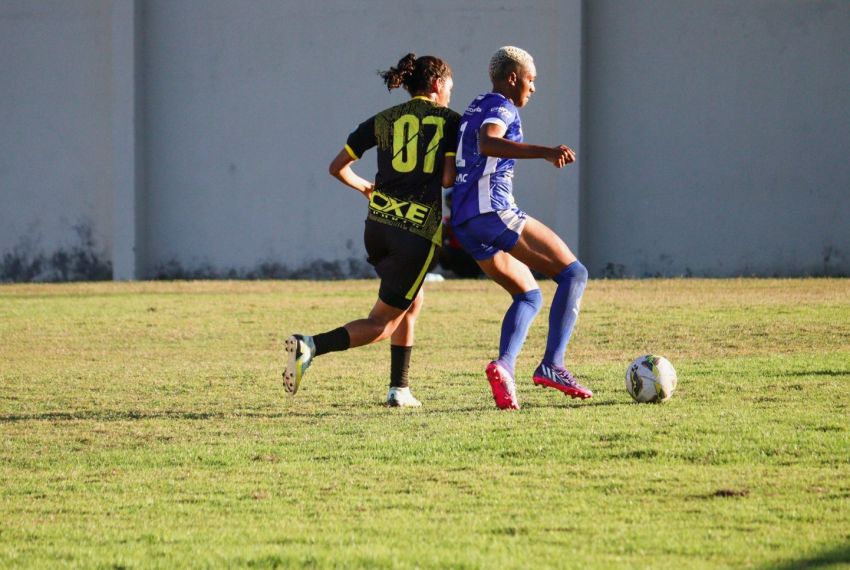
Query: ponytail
415	74
397	76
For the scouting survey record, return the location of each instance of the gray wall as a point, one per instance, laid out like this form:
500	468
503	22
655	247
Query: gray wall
246	104
55	140
717	137
193	137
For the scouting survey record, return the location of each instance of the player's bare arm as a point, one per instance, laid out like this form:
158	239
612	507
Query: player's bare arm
340	169
449	171
493	143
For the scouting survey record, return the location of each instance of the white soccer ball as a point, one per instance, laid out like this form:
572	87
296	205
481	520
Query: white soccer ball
651	378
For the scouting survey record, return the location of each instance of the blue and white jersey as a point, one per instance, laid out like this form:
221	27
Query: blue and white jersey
483	183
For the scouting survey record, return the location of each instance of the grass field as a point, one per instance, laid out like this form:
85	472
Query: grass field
145	425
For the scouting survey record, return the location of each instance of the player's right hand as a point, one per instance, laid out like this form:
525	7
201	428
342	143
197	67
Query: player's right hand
561	156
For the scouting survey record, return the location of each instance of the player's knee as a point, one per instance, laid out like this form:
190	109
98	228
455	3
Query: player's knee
580	272
575	272
383	329
410	316
409	319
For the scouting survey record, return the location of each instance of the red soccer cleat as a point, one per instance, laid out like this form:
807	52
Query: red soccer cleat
503	386
560	378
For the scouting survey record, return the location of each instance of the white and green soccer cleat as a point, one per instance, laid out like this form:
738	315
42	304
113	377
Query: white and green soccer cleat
299	354
402	398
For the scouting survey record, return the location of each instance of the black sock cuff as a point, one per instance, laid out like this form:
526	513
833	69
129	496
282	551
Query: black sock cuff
397	348
332	341
399	364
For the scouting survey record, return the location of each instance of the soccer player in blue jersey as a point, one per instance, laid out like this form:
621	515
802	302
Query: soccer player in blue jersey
505	241
415	143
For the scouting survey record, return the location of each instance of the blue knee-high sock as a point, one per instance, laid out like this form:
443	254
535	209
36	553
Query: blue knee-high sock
516	323
564	311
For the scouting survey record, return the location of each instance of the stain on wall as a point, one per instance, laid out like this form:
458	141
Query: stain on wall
351	268
83	260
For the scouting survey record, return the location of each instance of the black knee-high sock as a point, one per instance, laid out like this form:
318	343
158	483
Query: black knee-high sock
332	341
399	364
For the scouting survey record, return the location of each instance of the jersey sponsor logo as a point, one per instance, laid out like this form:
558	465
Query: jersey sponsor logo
472	109
461	178
389	207
503	111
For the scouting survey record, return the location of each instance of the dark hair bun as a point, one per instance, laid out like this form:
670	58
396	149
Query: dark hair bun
416	74
397	76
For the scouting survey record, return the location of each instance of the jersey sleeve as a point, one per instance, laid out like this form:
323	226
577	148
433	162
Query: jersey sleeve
451	134
503	114
361	139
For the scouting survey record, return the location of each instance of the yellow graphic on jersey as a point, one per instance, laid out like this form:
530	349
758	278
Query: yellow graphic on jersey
401	210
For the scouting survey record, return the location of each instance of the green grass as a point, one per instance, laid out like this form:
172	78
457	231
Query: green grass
145	425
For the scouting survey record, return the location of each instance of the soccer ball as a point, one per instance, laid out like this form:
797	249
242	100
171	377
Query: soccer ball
650	378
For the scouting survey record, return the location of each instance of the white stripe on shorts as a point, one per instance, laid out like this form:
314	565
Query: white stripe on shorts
512	220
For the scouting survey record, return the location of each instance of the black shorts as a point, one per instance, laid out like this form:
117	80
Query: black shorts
401	260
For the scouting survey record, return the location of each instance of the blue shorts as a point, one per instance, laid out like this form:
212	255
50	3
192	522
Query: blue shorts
485	235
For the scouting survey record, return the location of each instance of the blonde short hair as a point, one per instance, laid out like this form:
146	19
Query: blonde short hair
507	59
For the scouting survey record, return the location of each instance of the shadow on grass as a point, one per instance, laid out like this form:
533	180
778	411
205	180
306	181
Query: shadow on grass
378	408
563	404
803	373
138	415
824	559
110	416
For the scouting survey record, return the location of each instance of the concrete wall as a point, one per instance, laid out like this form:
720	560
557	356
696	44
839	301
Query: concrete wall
716	138
192	138
246	104
55	141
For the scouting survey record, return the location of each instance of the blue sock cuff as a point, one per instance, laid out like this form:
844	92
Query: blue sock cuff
574	270
533	297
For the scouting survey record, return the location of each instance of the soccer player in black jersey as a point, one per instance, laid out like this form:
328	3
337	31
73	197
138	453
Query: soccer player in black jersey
415	143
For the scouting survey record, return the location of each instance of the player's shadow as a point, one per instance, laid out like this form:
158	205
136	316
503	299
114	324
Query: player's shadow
824	372
824	559
338	410
111	416
570	403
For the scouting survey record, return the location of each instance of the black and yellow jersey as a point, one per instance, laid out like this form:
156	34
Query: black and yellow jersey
412	139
